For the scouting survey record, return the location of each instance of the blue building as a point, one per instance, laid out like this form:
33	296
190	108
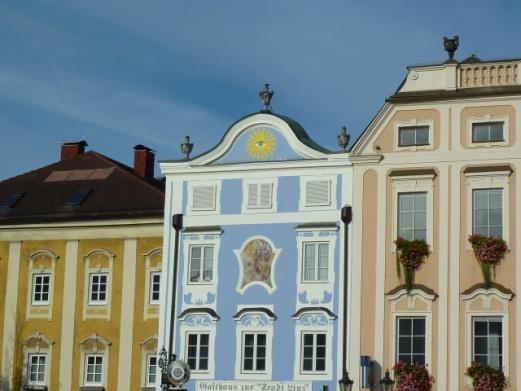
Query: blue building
260	286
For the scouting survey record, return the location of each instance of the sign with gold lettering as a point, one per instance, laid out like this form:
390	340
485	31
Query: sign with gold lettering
252	386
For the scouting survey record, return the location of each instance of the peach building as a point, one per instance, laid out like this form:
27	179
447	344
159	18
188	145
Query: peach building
438	162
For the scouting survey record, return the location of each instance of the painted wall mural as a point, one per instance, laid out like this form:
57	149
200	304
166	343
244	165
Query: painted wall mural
257	258
261	144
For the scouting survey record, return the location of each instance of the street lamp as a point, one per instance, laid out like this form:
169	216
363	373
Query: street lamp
387	384
173	372
345	384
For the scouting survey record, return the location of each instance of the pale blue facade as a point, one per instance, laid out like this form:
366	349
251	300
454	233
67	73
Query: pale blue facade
261	255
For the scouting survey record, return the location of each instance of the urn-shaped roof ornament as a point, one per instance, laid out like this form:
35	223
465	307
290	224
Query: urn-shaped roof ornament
451	45
266	96
186	147
343	138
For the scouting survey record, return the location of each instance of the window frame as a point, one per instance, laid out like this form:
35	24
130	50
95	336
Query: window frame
30	355
414	184
487	119
148	372
86	366
104	302
397	319
415	128
198	346
316	257
151	290
488	180
304	206
217	185
488	209
245	208
414	211
203	247
35	302
256	335
314	355
409	124
473	337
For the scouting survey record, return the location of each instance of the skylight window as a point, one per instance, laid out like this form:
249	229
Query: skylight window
78	197
10	200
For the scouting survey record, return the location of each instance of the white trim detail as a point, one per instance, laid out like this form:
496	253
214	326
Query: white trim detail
411	123
151	309
487	119
39	344
412	297
314	321
99	346
199	323
276	252
37	267
413	184
486	296
97	310
200	293
316	293
253	322
148	348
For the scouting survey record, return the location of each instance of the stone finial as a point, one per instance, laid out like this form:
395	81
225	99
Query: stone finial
451	45
186	147
343	138
266	96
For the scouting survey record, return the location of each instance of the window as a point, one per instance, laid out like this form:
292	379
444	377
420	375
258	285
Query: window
10	200
487	212
201	264
316	260
317	193
197	351
203	198
412	215
313	352
41	284
155	284
487	132
410	339
413	135
36	370
93	369
259	195
254	352
487	340
151	370
98	288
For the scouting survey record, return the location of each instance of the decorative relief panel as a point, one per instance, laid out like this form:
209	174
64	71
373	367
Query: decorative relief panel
257	258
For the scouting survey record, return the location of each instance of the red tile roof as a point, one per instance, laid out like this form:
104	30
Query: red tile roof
117	192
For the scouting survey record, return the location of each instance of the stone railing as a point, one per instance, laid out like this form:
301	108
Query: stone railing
487	75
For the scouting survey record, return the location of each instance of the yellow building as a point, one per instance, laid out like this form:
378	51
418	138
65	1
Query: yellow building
80	261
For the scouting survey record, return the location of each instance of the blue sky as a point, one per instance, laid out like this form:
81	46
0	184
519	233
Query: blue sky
121	73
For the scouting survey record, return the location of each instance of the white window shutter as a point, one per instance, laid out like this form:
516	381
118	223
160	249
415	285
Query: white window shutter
203	198
318	193
252	195
265	195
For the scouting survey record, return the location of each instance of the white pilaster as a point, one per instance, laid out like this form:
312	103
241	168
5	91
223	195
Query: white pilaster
444	232
127	314
69	308
10	304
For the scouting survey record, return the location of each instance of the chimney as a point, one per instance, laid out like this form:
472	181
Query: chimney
72	149
144	161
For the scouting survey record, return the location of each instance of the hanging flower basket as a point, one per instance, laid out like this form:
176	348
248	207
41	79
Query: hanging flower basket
410	254
486	378
489	252
412	377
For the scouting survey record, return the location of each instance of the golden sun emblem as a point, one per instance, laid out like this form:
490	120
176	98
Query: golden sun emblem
261	144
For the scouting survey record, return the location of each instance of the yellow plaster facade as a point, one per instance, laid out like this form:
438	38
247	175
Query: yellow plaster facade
69	327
